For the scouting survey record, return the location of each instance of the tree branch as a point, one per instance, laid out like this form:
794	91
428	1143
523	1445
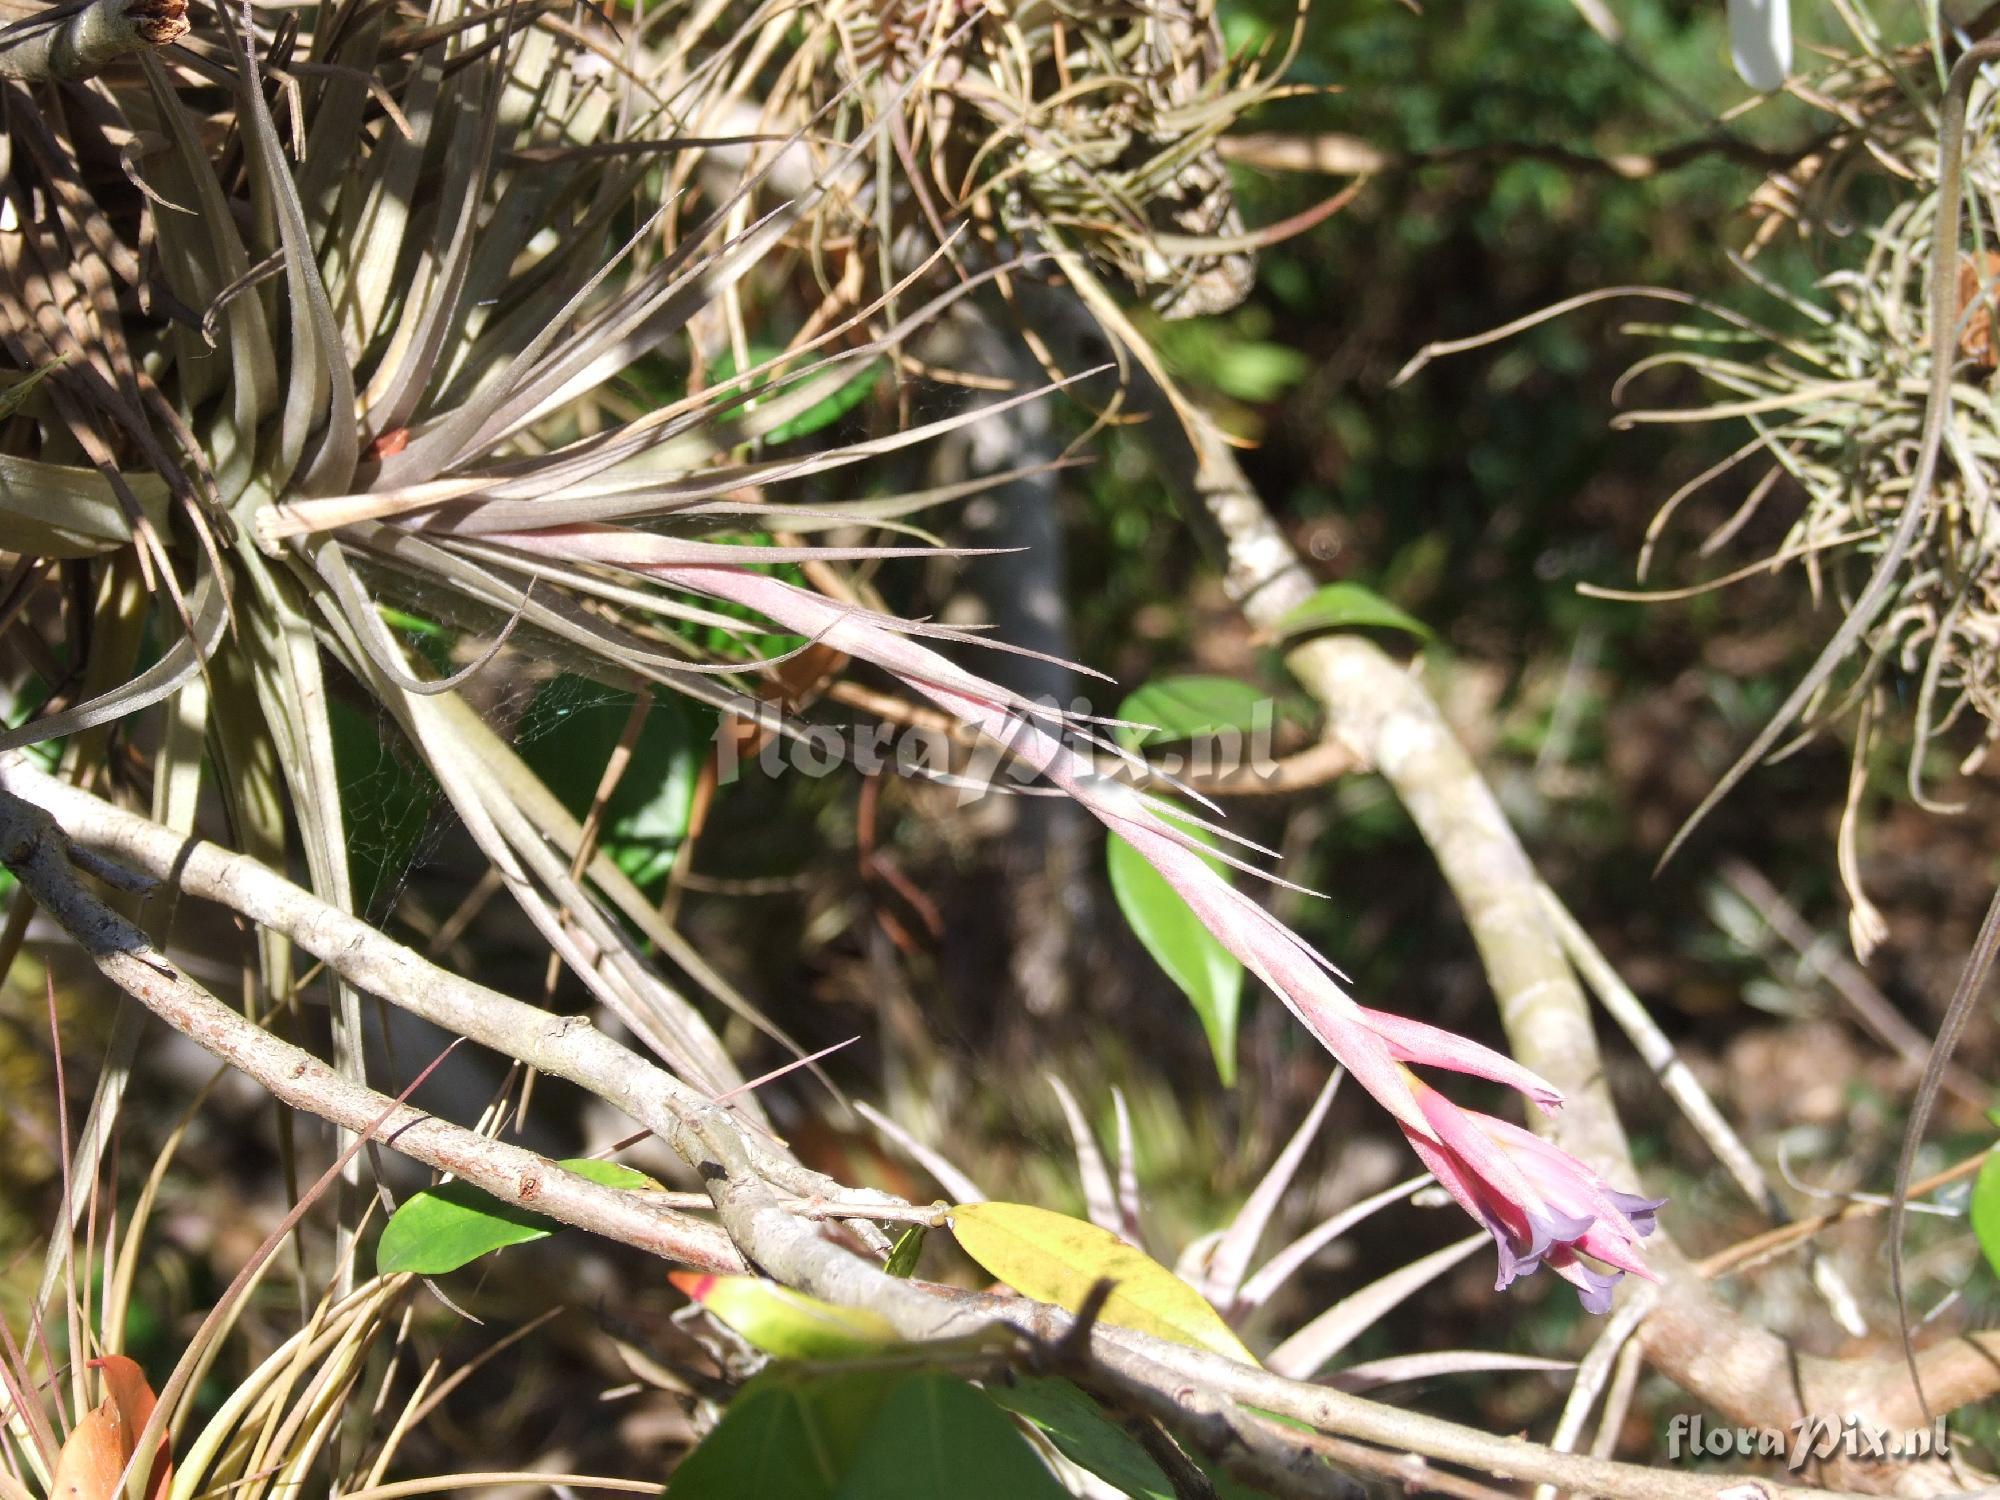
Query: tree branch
566	1047
36	850
1384	714
1199	1395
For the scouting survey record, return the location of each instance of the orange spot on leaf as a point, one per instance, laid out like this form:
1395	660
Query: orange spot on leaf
395	440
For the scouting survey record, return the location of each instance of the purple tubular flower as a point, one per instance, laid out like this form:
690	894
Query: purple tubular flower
1640	1213
1541	1205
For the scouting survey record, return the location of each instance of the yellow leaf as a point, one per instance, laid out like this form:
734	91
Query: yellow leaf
1054	1258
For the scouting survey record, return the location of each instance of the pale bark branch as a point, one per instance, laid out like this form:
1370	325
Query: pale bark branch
566	1047
1202	1397
36	850
1384	714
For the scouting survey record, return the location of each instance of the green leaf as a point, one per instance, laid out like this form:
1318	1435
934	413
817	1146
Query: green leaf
787	1324
1192	706
1085	1436
445	1227
785	1437
862	1435
1256	371
567	738
938	1436
909	1249
431	638
764	1445
1345	606
1054	1258
1986	1210
1207	973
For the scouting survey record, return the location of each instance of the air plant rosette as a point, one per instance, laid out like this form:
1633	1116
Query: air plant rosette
1834	412
398	279
1835	402
1048	125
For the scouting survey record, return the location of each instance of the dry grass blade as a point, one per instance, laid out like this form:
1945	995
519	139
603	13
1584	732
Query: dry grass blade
961	1187
1403	1368
1280	1268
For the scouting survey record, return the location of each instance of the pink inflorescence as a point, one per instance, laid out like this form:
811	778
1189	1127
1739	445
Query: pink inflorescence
1542	1205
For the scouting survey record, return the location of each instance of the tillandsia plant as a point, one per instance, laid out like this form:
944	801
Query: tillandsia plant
231	1411
1879	454
1066	127
333	323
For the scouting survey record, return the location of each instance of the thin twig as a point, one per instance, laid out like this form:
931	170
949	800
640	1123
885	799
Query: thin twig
1658	1052
1848	979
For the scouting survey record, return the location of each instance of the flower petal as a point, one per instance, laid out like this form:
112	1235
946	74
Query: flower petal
1541	1205
1594	1288
1639	1212
1468	1193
